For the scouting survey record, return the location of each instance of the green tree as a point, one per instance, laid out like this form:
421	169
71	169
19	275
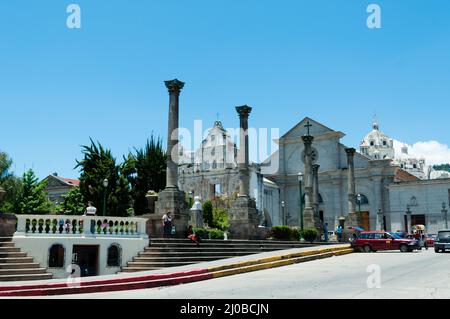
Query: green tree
146	170
442	167
99	164
10	183
32	198
74	203
220	219
208	213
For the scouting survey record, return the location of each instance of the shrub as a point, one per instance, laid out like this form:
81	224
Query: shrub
201	232
220	219
310	234
295	234
208	213
281	232
216	234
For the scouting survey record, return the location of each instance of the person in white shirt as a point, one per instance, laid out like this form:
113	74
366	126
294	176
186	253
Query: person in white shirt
90	210
167	224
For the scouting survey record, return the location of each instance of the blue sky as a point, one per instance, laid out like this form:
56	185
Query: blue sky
287	59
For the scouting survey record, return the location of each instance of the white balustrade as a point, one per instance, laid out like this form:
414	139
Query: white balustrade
86	226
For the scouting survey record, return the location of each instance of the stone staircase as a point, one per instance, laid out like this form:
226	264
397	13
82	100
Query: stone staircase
163	253
17	266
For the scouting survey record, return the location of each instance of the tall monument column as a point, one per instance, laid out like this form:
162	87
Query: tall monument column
243	158
353	218
315	169
174	87
171	199
243	215
308	215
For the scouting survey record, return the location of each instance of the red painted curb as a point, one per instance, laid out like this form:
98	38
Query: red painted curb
108	288
105	282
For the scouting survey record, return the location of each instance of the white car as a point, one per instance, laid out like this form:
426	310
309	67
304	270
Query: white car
332	236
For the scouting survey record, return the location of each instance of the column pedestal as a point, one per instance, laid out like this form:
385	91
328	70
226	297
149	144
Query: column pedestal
244	219
170	200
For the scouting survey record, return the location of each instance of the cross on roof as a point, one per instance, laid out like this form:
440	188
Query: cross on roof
308	125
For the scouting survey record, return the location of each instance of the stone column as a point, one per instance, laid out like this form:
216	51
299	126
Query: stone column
352	219
174	87
243	213
309	214
243	158
315	169
171	199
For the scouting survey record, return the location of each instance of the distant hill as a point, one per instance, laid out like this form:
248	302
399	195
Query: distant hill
443	167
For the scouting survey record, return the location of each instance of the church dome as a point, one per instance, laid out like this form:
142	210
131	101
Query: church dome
377	145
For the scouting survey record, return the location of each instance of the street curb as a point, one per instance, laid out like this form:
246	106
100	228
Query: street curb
171	279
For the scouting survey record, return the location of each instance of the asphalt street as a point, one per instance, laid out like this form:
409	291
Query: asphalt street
421	274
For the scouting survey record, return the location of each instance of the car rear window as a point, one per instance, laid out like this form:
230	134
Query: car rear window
444	235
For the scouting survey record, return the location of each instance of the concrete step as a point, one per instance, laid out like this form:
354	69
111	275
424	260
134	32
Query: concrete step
230	253
227	244
22	271
10	249
211	249
179	259
159	264
16	260
12	255
6	244
135	269
232	241
19	265
26	277
6	239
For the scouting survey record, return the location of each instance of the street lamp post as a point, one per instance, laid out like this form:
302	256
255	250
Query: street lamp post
359	199
408	215
300	180
444	213
105	186
191	195
284	216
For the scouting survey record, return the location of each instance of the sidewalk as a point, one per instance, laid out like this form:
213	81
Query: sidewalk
173	275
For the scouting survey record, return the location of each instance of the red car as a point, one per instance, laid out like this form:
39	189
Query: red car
373	241
431	238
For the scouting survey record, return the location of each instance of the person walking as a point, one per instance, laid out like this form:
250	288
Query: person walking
325	230
167	225
339	233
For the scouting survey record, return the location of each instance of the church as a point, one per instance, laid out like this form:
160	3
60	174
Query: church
391	191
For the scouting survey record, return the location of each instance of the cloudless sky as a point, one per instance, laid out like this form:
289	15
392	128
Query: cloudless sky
286	58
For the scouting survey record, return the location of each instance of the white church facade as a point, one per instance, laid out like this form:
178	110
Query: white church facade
385	182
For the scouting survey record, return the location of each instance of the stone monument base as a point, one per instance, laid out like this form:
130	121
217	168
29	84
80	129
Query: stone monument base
244	220
311	220
169	200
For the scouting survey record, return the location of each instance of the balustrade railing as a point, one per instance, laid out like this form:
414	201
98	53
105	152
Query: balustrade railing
81	225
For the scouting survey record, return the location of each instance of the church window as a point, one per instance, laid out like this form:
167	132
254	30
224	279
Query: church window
372	143
214	166
113	258
56	256
384	143
213	152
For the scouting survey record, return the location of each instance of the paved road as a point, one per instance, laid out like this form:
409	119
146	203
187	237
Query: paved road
403	275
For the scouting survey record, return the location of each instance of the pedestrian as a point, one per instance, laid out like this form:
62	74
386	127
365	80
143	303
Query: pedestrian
193	236
167	225
339	233
325	230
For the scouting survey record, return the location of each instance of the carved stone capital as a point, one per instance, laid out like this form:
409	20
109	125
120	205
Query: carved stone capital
174	86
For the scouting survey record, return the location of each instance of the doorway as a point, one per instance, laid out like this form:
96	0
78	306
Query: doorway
365	222
86	257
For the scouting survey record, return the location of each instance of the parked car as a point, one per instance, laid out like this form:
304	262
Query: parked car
431	238
442	242
373	241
